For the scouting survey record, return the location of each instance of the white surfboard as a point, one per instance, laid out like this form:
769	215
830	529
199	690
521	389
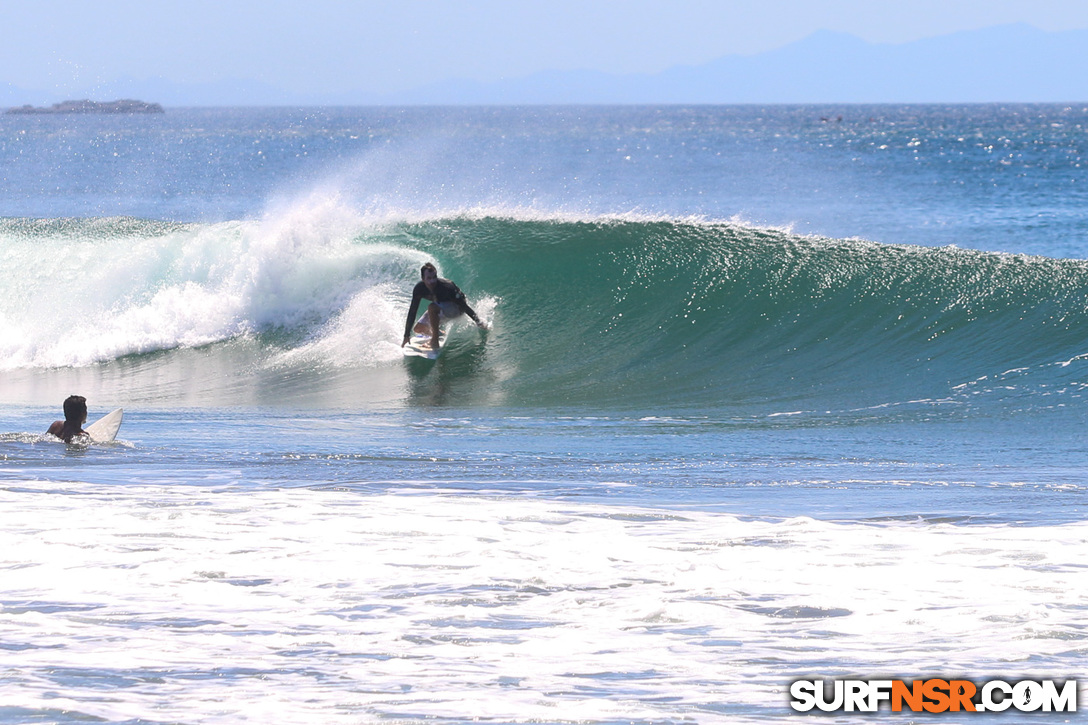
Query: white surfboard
419	345
105	428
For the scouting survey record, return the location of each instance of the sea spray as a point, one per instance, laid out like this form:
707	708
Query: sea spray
81	296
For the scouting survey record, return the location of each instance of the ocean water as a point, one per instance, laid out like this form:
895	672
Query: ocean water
770	393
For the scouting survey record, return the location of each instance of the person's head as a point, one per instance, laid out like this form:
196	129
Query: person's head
75	409
428	273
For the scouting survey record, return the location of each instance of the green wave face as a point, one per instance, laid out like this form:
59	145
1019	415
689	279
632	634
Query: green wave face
674	313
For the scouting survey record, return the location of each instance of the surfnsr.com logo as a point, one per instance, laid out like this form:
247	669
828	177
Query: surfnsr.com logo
933	695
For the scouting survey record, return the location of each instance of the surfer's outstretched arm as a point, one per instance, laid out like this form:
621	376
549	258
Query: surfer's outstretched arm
463	304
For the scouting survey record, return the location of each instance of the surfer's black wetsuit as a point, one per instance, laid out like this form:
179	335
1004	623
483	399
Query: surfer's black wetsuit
444	292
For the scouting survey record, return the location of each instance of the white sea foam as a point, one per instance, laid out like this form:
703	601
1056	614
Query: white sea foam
295	605
366	332
72	300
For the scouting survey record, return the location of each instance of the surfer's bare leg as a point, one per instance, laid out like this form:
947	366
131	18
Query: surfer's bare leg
432	317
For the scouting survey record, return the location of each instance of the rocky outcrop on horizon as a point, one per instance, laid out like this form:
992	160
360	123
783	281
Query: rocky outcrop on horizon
85	106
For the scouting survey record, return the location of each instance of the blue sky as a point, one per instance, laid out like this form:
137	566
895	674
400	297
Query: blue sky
384	46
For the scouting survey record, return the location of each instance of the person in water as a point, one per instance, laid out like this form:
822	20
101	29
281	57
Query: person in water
447	303
75	415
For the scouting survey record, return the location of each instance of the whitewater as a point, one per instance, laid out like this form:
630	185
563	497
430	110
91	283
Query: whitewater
768	396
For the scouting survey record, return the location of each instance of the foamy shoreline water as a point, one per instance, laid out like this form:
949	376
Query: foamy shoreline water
184	604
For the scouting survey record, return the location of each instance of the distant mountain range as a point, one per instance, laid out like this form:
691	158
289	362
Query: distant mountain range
1007	63
1010	63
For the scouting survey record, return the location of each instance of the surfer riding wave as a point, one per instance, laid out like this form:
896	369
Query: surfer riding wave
447	303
